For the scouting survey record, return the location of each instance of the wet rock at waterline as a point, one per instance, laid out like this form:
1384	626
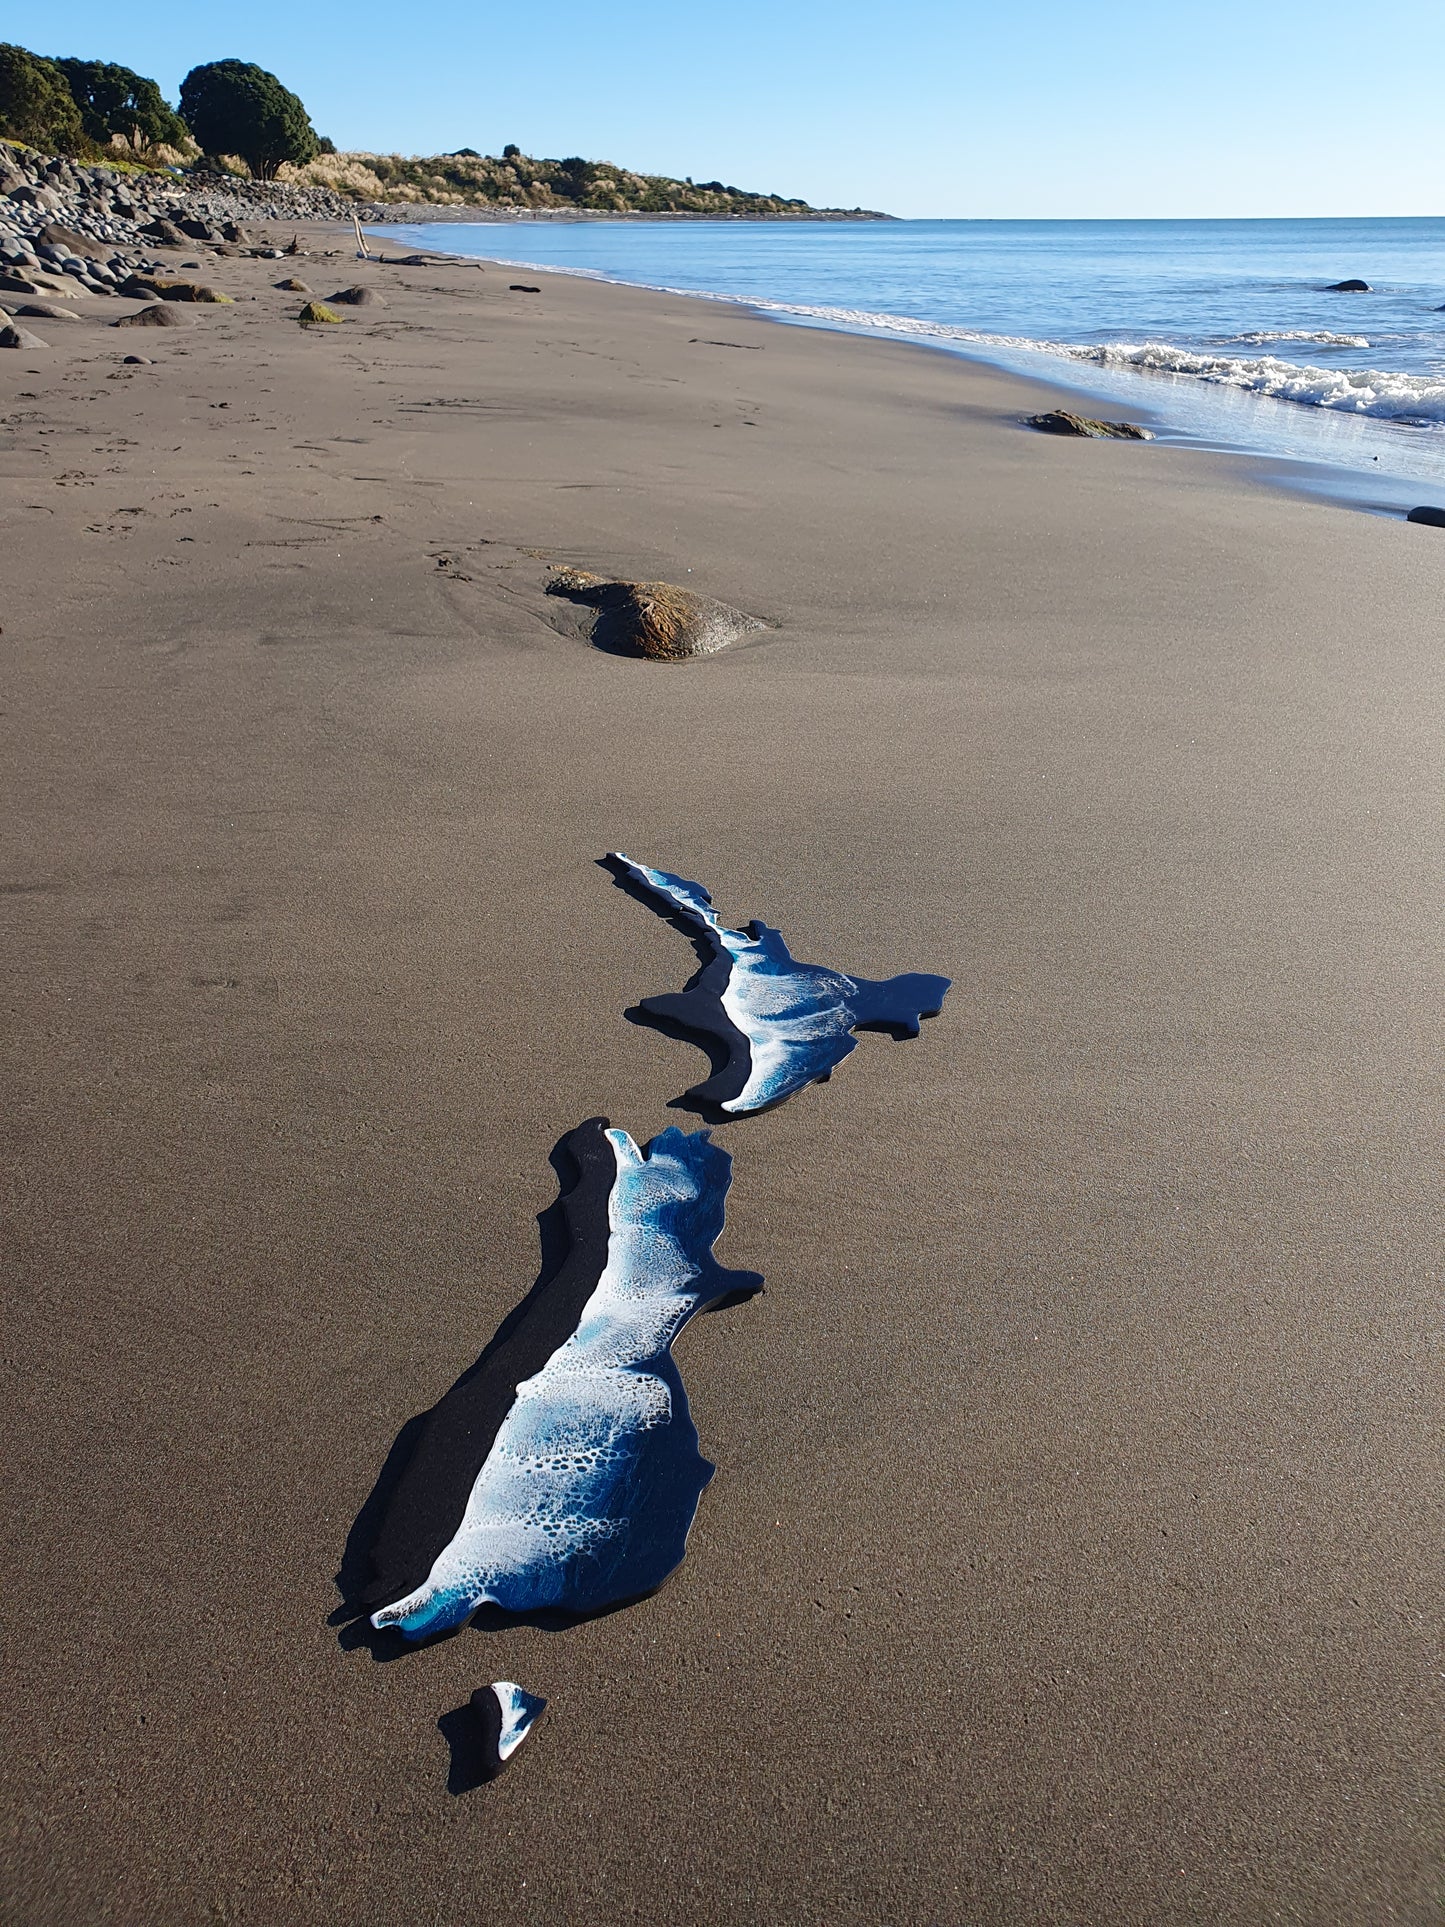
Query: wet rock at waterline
1349	287
1431	518
1058	421
657	620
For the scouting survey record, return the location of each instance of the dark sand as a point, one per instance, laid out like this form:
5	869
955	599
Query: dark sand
1074	1553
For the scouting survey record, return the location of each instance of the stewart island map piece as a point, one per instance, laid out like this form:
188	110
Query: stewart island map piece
589	1488
782	1023
506	1713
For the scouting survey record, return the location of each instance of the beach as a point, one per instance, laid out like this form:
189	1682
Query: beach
1073	1554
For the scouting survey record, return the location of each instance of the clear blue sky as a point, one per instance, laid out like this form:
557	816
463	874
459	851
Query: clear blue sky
923	107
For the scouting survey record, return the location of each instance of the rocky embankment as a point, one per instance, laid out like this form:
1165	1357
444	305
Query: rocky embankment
61	221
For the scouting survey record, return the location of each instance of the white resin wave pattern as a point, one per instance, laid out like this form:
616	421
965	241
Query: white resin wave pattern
593	1478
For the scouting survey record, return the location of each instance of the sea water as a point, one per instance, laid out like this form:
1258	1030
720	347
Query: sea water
1223	333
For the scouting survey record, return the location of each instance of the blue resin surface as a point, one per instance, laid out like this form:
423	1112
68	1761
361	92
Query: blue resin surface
519	1710
784	1024
593	1479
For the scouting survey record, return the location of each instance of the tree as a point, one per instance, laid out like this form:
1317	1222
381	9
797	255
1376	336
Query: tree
233	107
114	101
511	152
36	104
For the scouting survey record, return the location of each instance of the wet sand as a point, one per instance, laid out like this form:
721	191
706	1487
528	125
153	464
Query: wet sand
1074	1551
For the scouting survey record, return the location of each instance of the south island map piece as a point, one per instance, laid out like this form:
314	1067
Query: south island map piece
588	1486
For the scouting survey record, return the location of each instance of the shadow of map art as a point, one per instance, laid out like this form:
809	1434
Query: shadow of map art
589	1482
781	1024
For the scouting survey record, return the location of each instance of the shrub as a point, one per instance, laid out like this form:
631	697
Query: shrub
233	107
36	104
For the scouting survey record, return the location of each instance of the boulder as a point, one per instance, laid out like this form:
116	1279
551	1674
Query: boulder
1348	287
657	620
139	285
13	337
46	311
159	316
292	286
28	196
165	232
1431	518
137	361
358	297
63	237
316	311
18	284
1059	421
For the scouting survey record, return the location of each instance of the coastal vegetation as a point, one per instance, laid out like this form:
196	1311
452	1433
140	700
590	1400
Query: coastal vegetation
236	118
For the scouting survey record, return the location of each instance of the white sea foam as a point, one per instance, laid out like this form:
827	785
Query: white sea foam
1381	392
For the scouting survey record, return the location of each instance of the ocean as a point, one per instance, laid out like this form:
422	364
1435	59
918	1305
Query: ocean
1220	333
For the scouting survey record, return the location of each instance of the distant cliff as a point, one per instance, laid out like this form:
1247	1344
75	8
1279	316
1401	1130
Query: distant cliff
516	180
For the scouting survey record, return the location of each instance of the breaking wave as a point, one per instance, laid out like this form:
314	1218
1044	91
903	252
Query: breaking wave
1381	392
1413	400
1321	337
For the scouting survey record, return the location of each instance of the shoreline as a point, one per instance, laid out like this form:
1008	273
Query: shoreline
1362	483
1074	1545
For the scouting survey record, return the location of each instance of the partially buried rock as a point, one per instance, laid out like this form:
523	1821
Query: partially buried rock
292	286
1059	421
316	311
358	297
1432	518
1348	287
140	284
13	337
652	619
138	361
43	311
158	316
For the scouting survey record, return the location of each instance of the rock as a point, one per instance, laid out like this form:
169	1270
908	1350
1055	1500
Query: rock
1349	287
292	286
28	196
1059	421
18	284
159	316
1431	518
165	232
144	284
51	236
13	337
138	361
316	311
358	297
522	287
652	619
44	311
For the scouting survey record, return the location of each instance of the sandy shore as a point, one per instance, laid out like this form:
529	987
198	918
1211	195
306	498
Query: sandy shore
1074	1551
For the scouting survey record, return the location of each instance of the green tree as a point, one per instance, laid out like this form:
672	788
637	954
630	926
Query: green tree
36	104
233	107
112	100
